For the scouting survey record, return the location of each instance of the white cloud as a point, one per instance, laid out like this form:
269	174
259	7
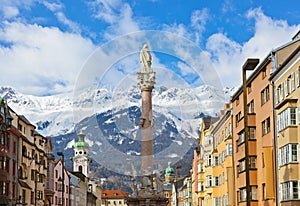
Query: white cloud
57	9
54	7
10	12
41	60
199	18
116	13
228	56
10	9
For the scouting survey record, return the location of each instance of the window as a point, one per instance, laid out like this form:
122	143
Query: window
217	201
208	181
289	191
265	95
216	181
288	154
4	163
208	160
20	127
216	160
266	127
264	191
281	91
208	140
39	195
228	149
251	107
237	101
3	138
264	73
249	88
32	175
252	134
242	195
238	117
253	193
252	162
60	201
32	153
32	198
200	167
14	168
286	118
200	186
23	196
241	137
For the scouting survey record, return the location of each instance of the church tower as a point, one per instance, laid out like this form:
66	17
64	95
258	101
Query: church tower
81	159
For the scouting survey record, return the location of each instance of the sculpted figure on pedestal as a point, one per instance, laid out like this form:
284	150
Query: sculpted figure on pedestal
145	59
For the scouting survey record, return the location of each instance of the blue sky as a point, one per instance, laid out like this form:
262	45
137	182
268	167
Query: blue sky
44	44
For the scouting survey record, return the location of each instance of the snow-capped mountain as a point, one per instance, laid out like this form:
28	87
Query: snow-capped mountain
110	120
55	115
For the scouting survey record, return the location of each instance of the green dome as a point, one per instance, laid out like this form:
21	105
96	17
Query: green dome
81	143
78	145
169	170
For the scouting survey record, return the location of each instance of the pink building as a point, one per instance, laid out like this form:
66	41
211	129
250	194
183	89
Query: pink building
61	185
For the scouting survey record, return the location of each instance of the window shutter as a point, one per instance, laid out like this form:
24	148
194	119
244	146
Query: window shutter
286	89
298	77
276	96
292	82
299	114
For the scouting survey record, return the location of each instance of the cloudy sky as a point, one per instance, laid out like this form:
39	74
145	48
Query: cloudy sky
45	44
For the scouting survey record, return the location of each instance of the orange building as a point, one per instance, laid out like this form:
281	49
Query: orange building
260	125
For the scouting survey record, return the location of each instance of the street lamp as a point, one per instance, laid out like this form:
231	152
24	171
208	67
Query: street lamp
250	64
63	175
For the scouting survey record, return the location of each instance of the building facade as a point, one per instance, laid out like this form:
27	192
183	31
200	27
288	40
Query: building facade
61	184
32	162
223	173
286	82
260	141
8	157
205	163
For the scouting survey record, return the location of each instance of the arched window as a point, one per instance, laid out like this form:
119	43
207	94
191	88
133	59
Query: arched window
80	168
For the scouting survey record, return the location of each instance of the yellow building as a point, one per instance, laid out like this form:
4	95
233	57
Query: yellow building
223	176
206	163
286	83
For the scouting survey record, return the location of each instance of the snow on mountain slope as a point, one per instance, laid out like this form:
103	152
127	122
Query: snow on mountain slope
54	115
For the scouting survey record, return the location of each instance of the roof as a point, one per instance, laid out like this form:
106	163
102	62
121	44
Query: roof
24	119
79	175
285	62
208	120
114	194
